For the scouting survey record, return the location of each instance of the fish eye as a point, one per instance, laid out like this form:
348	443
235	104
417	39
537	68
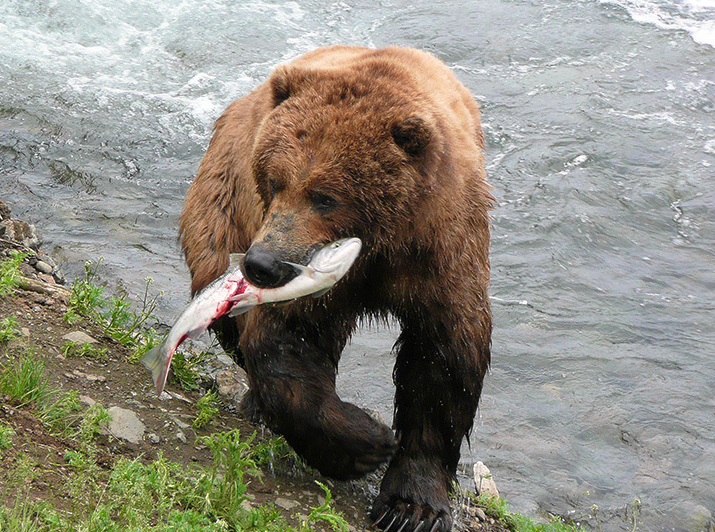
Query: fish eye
323	203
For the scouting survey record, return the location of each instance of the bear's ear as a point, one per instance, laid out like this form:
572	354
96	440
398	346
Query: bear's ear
280	86
412	135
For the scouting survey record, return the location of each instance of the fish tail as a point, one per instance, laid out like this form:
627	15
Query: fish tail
155	360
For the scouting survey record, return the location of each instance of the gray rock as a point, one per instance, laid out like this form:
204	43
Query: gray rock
125	425
87	400
286	504
20	232
79	337
153	438
232	383
43	267
181	437
484	481
480	514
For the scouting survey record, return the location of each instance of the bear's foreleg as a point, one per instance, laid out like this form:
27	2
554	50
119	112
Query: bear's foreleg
438	384
293	384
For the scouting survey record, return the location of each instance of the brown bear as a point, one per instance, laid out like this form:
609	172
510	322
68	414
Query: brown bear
384	145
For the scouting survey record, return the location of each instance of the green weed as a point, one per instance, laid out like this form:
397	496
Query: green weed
84	350
86	298
8	329
276	454
95	418
114	316
185	369
6	434
10	272
325	513
208	410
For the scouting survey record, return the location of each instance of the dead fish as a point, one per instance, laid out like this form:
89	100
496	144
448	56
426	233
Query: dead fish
232	294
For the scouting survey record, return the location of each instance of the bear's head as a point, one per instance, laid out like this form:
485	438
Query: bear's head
340	154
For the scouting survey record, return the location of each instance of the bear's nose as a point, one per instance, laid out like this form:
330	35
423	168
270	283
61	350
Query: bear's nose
264	269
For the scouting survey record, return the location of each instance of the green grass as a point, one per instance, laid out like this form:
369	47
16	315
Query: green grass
498	509
10	272
84	350
24	379
156	496
133	495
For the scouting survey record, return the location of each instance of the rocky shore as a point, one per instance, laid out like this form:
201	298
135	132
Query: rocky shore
142	425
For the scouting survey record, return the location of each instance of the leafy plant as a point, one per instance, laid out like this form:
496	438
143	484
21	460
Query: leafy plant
326	513
86	298
10	272
8	329
114	316
94	419
208	410
6	434
222	487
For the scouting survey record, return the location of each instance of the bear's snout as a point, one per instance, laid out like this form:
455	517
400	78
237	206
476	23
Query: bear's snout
265	269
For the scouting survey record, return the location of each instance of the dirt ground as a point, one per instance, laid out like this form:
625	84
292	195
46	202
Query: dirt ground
168	421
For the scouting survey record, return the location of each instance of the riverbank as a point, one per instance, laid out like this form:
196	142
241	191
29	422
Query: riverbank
90	402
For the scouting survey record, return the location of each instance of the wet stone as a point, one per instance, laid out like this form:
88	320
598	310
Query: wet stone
484	481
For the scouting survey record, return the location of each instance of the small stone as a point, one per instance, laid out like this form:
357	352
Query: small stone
43	267
246	505
46	278
484	481
125	425
25	332
87	400
181	437
153	438
181	424
286	504
89	376
79	337
480	514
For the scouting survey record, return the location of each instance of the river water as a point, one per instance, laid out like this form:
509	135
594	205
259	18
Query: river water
599	117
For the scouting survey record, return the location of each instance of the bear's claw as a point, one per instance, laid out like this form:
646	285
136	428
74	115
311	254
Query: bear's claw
401	516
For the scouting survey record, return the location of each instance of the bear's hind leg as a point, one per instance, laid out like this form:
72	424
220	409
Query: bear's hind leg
438	384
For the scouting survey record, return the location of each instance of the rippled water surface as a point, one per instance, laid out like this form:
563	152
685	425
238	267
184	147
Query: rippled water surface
600	124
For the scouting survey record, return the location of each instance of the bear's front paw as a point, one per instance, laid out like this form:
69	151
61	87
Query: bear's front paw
397	515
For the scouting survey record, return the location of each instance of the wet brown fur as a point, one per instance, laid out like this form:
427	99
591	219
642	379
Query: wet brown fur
396	140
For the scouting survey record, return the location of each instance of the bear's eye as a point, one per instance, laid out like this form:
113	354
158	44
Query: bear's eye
274	187
323	203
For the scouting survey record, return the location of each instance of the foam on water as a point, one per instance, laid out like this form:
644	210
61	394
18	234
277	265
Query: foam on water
697	17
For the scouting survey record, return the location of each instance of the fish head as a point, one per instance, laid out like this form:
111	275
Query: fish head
336	258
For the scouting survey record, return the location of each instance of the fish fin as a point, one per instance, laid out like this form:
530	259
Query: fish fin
235	260
239	297
302	270
237	310
157	360
321	292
